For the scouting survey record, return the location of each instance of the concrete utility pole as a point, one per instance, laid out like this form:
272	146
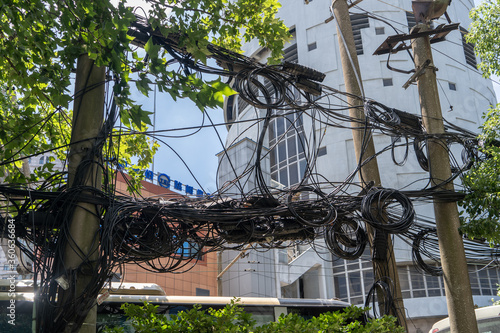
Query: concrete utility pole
363	144
222	271
219	270
453	261
83	238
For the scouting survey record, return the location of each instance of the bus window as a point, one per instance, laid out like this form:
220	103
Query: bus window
113	320
280	310
109	312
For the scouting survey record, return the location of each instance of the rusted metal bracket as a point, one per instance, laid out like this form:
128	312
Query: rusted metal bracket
395	43
418	73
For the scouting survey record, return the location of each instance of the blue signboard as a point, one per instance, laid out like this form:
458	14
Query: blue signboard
148	174
164	180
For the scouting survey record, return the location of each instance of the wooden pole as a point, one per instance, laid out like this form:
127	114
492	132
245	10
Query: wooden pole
363	145
83	238
456	277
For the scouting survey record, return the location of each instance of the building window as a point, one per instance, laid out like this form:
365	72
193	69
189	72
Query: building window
387	82
452	86
417	282
189	250
353	279
286	138
202	292
41	160
291	54
312	46
230	108
395	139
410	19
470	56
242	104
270	89
379	31
434	286
321	151
483	281
359	22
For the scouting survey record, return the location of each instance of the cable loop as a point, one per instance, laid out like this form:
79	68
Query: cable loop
377	210
346	238
418	247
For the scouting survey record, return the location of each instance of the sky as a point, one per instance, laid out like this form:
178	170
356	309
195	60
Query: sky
199	150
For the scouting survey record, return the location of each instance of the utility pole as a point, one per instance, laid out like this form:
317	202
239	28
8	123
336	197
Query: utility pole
221	271
83	239
453	260
364	147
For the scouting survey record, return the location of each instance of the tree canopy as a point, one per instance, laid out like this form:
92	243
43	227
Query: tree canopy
40	41
481	218
484	32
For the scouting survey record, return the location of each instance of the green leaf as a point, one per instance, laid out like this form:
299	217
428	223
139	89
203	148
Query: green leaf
152	49
143	84
223	88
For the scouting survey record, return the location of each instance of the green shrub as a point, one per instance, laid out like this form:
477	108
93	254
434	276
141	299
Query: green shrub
339	321
233	319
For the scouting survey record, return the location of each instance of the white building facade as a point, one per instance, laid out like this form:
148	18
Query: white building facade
464	95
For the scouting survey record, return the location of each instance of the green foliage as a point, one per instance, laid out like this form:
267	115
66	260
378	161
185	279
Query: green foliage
481	215
340	321
484	32
232	318
498	294
481	205
40	41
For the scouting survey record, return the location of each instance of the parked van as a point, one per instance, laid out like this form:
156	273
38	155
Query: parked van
488	321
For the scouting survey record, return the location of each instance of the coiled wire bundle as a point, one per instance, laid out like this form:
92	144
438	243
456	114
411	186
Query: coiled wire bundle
419	247
346	238
377	208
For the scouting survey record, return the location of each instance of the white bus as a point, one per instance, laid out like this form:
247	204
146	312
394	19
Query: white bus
109	313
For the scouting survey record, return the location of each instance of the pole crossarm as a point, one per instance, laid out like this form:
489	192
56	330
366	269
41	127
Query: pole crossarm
395	43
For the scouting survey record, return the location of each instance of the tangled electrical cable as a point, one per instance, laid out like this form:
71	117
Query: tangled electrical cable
170	235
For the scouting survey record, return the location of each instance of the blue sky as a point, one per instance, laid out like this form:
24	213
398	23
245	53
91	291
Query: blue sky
197	150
